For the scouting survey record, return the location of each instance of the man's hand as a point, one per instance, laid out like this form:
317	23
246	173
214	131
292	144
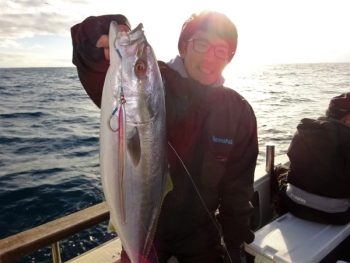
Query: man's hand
103	41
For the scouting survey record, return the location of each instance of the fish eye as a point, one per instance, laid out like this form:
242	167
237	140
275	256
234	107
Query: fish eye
140	67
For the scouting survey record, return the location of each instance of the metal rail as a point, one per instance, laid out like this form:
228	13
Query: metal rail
270	157
56	254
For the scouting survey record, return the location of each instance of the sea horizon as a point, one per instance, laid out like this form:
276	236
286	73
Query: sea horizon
237	63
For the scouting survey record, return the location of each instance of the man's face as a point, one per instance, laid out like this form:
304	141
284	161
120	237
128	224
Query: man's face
205	68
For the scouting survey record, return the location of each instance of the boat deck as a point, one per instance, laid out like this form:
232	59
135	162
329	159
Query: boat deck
108	252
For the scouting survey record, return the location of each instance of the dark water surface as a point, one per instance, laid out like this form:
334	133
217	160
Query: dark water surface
49	130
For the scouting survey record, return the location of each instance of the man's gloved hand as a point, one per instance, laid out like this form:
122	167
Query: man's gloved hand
91	51
237	254
87	35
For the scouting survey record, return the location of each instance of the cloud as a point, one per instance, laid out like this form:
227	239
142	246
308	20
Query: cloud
9	43
6	56
20	18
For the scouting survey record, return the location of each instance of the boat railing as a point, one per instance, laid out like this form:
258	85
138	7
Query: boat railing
50	234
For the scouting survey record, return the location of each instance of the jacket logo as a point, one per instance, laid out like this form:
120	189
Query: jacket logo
224	141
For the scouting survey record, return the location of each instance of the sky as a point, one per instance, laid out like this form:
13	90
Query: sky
36	33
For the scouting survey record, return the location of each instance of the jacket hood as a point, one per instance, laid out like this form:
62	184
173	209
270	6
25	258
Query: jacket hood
335	130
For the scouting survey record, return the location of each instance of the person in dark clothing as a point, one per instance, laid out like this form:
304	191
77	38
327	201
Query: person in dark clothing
212	131
318	186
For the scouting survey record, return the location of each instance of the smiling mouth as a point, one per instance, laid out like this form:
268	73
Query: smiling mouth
205	70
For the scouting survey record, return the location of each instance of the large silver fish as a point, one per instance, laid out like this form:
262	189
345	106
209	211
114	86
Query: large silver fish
134	166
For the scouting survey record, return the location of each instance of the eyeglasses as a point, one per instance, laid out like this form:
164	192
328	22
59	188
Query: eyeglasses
203	47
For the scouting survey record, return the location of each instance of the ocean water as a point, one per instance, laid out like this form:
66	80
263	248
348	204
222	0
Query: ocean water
49	132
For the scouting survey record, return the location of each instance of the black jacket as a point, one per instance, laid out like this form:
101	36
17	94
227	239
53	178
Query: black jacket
320	164
214	131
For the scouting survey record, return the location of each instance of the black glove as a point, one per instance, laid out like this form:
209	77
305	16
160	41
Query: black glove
86	35
236	254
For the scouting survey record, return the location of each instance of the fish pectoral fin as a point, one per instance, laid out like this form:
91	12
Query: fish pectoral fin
168	185
111	227
134	146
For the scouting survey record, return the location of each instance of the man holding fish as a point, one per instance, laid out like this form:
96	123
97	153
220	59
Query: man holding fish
211	137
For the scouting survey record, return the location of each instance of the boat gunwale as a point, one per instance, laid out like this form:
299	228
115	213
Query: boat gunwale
29	241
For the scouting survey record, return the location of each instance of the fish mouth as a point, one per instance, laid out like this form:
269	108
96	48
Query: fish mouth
131	37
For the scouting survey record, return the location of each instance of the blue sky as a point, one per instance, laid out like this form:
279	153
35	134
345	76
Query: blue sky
35	33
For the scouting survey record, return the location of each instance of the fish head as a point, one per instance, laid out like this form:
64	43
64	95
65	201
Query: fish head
138	74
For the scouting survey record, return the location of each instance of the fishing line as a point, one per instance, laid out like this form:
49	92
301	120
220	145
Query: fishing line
155	252
200	197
